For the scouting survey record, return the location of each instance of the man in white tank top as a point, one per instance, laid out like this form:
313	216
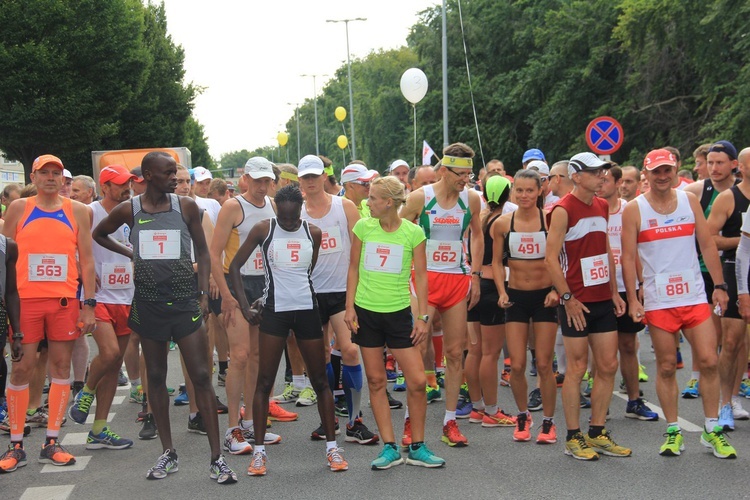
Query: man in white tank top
113	298
335	216
662	226
445	210
236	217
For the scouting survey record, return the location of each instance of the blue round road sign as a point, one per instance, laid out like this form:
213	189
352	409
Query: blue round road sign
604	135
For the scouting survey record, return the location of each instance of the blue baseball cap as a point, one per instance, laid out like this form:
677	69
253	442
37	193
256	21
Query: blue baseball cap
533	154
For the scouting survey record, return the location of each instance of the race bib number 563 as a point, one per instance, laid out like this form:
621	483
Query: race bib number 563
48	267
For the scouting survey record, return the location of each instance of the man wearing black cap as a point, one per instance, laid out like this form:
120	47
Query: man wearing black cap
577	240
725	222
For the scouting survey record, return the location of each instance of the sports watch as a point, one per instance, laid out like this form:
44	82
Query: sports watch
566	296
424	317
90	302
722	286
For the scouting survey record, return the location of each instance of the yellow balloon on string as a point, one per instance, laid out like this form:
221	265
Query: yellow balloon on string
340	114
283	138
342	142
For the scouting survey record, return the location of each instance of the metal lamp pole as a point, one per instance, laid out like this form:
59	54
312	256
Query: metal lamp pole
315	107
349	70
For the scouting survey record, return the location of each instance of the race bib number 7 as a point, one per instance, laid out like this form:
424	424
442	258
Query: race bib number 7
48	267
383	257
158	245
595	270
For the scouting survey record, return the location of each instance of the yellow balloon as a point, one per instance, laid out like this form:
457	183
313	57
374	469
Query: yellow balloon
283	138
340	114
342	141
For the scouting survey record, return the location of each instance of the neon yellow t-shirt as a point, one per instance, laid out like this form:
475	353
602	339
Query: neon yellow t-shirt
385	265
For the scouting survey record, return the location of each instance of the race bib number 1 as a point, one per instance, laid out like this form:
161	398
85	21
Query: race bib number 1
384	258
254	265
117	276
48	267
161	244
595	270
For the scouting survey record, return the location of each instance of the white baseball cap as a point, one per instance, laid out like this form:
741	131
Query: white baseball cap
357	172
539	166
258	168
310	165
67	174
396	164
201	174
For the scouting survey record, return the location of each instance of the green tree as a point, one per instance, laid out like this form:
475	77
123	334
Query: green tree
195	140
70	67
235	159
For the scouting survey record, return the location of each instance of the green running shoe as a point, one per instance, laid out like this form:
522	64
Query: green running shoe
388	457
674	445
424	457
718	443
433	394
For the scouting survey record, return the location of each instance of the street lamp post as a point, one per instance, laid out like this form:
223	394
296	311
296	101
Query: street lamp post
296	116
349	71
315	107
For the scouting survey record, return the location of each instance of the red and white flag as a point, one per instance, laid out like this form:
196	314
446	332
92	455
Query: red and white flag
427	153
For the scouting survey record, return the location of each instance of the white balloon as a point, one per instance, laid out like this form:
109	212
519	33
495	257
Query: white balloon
414	85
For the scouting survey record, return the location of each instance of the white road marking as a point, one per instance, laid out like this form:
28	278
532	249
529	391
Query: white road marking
685	425
61	492
74	438
81	463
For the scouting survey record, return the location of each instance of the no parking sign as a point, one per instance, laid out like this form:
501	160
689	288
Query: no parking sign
604	135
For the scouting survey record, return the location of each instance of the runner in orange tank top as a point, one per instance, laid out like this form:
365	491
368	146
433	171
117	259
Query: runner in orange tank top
49	230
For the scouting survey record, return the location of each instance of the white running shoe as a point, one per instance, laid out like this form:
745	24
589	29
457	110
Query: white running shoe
738	411
235	443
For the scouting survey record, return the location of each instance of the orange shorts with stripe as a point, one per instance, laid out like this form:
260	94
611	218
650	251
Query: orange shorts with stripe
446	290
116	315
53	319
675	319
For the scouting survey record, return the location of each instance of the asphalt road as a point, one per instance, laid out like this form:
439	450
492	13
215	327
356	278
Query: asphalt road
492	466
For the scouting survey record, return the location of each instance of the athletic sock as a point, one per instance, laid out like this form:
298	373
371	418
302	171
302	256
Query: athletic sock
18	402
696	375
223	365
329	375
134	383
59	393
595	431
552	420
710	423
353	390
449	415
674	424
437	344
98	426
571	433
89	390
298	382
479	405
406	414
193	415
330	445
259	448
431	378
490	409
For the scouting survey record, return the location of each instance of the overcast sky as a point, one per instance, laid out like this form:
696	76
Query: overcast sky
249	56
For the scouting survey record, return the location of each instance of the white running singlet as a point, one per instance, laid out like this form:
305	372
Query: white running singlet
332	267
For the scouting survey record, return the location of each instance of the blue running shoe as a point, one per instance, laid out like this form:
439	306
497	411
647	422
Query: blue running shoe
440	379
464	408
423	457
400	384
79	410
532	370
638	409
691	390
726	418
182	398
745	388
107	439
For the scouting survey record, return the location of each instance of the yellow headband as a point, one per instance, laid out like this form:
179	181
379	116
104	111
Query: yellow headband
329	170
288	175
455	161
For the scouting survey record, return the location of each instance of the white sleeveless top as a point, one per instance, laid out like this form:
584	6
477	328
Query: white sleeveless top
666	246
614	230
332	267
287	258
444	229
115	271
251	215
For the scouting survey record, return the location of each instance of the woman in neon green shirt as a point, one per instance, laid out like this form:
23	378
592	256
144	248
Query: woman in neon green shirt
378	312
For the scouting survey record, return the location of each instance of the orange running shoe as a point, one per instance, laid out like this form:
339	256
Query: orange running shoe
523	424
548	434
452	435
476	416
257	465
53	453
406	438
12	459
499	419
505	378
336	460
276	412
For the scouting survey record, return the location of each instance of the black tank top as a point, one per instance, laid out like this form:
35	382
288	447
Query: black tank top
513	230
487	259
732	227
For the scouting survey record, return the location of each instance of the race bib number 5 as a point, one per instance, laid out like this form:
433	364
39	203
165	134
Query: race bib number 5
117	276
48	267
158	245
383	257
595	270
292	253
